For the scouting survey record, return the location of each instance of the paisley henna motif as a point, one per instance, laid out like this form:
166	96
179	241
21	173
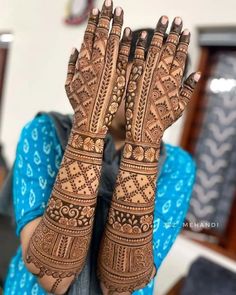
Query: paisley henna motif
95	85
154	101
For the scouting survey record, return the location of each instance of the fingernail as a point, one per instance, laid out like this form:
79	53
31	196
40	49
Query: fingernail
164	19
73	51
197	76
186	32
178	21
143	35
95	11
127	32
108	3
118	11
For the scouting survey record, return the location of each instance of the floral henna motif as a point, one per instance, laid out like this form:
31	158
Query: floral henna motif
139	153
95	84
155	99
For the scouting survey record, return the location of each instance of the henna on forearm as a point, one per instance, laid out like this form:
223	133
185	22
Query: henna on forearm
60	242
95	85
154	100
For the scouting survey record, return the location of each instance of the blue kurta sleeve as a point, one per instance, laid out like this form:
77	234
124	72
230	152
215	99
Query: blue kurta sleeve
174	190
38	157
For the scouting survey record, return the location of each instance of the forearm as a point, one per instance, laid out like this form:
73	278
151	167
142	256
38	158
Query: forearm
60	242
126	261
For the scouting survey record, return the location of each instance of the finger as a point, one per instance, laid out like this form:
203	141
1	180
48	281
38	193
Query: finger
179	62
112	47
117	22
90	30
120	84
170	46
187	89
71	66
139	54
157	40
103	26
125	46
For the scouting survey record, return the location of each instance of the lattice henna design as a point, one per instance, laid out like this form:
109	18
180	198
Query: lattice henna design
135	188
95	85
60	243
154	101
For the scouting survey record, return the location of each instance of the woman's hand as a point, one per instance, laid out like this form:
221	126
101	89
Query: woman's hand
96	77
156	95
95	84
155	99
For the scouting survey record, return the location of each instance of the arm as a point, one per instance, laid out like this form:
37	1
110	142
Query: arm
94	86
154	101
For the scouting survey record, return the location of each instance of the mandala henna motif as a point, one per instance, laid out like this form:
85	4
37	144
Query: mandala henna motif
154	101
95	85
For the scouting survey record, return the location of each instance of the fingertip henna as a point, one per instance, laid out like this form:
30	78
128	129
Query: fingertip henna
95	11
125	45
107	9
127	35
71	67
162	25
176	28
185	37
197	76
141	46
74	55
103	25
169	50
177	25
187	89
93	17
89	35
108	3
118	17
192	80
117	23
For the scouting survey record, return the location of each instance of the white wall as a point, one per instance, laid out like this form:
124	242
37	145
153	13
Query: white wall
42	43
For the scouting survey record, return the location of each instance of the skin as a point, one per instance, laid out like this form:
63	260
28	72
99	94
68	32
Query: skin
95	84
117	129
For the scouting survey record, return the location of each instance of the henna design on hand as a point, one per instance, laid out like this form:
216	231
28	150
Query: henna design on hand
95	85
99	75
155	99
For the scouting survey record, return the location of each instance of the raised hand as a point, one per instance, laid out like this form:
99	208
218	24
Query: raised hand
155	99
95	84
97	75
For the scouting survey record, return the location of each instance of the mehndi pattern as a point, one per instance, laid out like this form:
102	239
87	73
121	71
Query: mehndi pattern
95	85
155	99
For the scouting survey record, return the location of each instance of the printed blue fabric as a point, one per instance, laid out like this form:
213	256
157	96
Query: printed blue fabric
38	158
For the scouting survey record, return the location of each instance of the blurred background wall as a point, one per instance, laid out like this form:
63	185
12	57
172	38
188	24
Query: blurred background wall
42	43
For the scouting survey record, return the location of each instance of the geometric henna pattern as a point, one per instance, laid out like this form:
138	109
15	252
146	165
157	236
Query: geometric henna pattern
60	243
154	101
97	75
95	85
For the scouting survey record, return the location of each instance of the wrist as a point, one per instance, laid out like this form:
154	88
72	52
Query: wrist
142	152
86	142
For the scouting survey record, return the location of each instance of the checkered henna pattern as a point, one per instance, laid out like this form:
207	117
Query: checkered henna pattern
95	85
155	99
